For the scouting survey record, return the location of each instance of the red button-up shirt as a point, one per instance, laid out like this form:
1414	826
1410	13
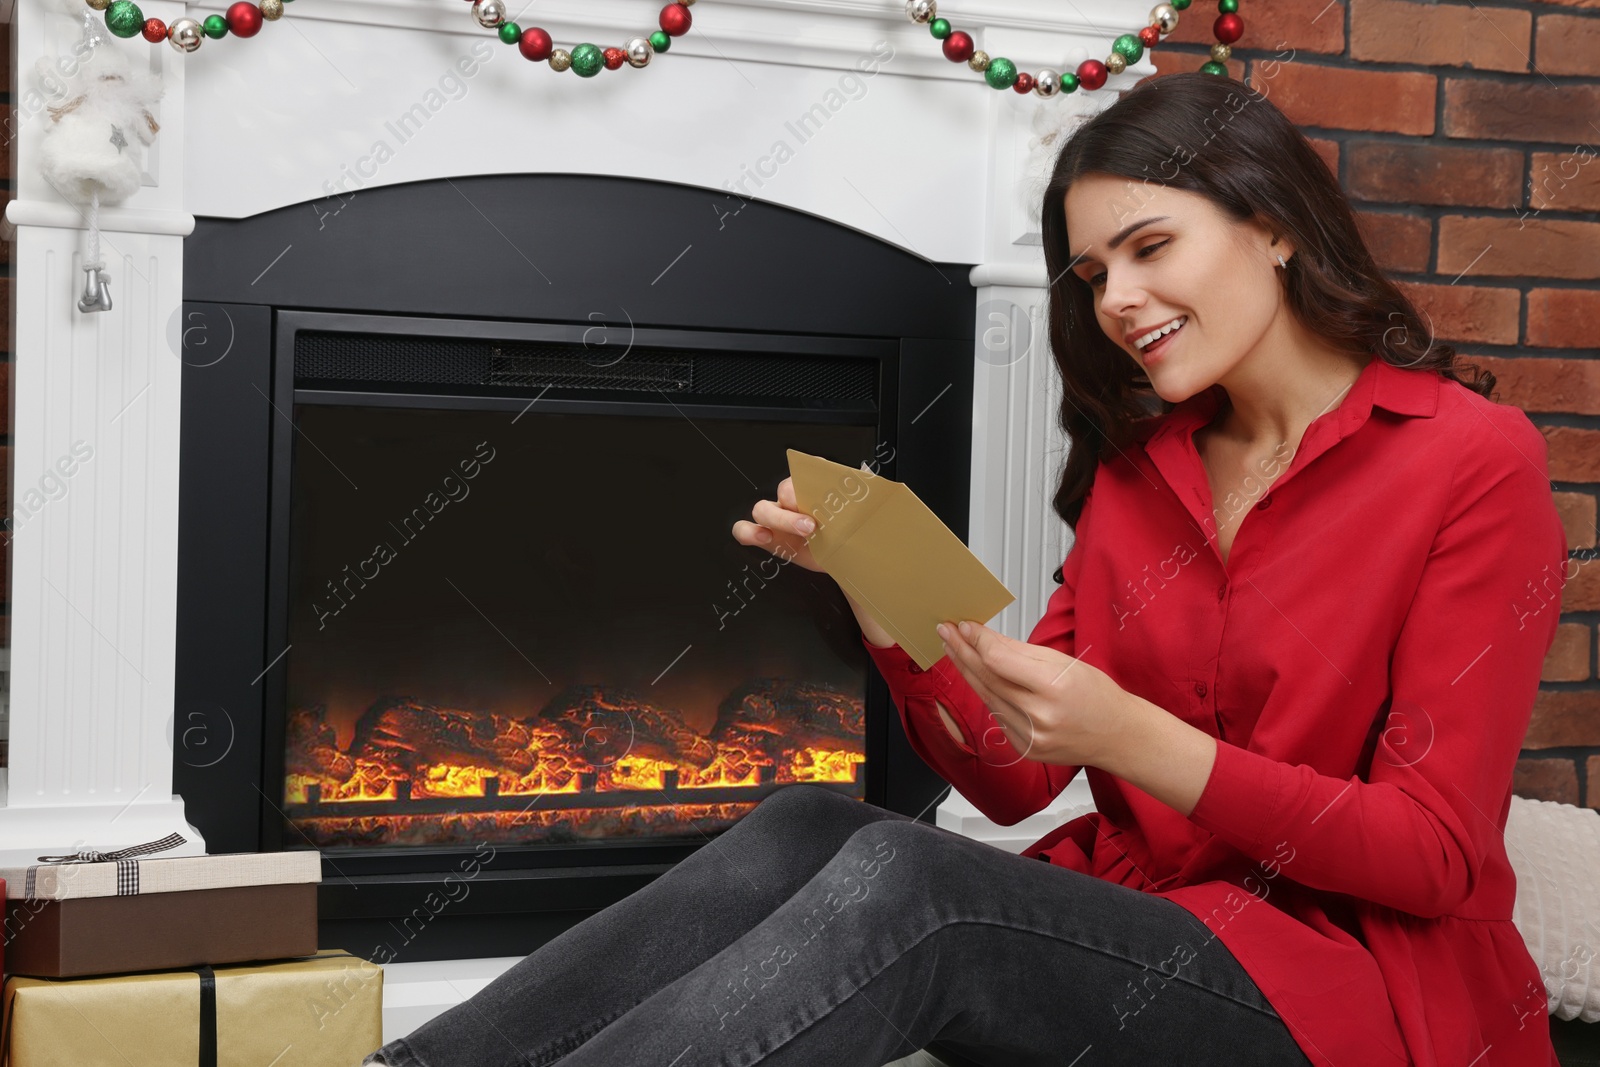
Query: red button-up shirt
1367	658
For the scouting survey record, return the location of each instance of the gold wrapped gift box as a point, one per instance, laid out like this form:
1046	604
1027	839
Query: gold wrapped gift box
316	1011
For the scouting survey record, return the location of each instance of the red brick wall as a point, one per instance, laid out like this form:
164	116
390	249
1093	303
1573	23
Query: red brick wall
1467	137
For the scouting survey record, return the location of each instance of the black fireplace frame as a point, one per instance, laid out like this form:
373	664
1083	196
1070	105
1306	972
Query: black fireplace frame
780	280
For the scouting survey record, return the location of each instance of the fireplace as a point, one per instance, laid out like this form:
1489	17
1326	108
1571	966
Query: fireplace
520	623
455	562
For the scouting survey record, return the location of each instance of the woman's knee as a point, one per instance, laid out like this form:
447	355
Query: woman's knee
902	859
801	804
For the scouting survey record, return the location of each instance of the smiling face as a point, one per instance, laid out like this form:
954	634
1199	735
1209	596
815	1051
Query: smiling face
1151	255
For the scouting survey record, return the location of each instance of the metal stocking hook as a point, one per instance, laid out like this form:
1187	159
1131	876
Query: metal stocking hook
96	282
96	289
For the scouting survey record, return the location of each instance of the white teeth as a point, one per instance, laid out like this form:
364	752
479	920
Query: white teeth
1156	335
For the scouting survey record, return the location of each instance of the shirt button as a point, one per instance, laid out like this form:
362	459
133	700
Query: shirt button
1266	502
1200	689
915	669
1222	591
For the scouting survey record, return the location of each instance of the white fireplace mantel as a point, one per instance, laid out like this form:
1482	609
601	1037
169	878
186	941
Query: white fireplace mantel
919	153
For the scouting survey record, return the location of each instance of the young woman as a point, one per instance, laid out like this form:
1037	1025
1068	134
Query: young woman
1294	650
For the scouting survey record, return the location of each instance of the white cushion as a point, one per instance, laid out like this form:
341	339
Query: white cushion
1555	852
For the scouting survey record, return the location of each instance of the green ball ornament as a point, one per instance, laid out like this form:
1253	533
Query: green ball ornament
661	40
940	28
215	27
1069	82
1213	67
124	18
1130	47
510	33
1180	5
1227	7
1001	73
588	60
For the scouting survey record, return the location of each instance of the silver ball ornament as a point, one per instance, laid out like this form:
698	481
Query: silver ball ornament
921	10
1046	83
639	51
489	13
1164	17
185	35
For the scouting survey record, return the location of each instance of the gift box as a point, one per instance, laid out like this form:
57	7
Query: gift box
156	931
325	1010
131	871
93	912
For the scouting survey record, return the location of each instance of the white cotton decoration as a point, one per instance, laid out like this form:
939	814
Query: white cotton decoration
98	115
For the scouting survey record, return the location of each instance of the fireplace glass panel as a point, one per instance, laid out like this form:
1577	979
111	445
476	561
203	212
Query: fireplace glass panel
536	628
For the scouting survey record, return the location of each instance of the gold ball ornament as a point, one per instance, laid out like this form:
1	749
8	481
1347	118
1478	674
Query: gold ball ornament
1220	52
271	10
1116	63
979	61
99	5
1164	17
560	59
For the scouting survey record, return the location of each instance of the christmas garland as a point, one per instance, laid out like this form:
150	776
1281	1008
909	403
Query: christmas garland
1001	73
244	19
584	60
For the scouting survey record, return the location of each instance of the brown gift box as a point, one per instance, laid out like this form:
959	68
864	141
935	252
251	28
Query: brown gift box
324	1010
151	931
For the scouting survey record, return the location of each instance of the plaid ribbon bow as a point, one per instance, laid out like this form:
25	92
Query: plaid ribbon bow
125	859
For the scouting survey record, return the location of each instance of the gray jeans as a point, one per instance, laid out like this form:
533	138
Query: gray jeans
820	930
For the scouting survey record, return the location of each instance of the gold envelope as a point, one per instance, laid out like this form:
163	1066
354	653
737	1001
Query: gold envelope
315	1011
892	554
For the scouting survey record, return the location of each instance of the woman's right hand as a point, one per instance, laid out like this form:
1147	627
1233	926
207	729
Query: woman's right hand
780	527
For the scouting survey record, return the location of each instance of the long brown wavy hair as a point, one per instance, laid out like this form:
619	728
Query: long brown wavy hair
1222	139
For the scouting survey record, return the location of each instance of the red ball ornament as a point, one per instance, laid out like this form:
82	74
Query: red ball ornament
675	19
535	44
1228	28
958	47
244	19
1149	36
1023	85
1092	74
615	57
155	31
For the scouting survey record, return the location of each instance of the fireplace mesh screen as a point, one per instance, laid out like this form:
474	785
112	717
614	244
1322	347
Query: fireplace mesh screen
357	357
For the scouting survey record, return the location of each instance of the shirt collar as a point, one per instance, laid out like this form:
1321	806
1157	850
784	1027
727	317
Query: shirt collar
1404	391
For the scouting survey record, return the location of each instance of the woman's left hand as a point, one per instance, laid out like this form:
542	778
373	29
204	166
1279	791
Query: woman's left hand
1052	707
